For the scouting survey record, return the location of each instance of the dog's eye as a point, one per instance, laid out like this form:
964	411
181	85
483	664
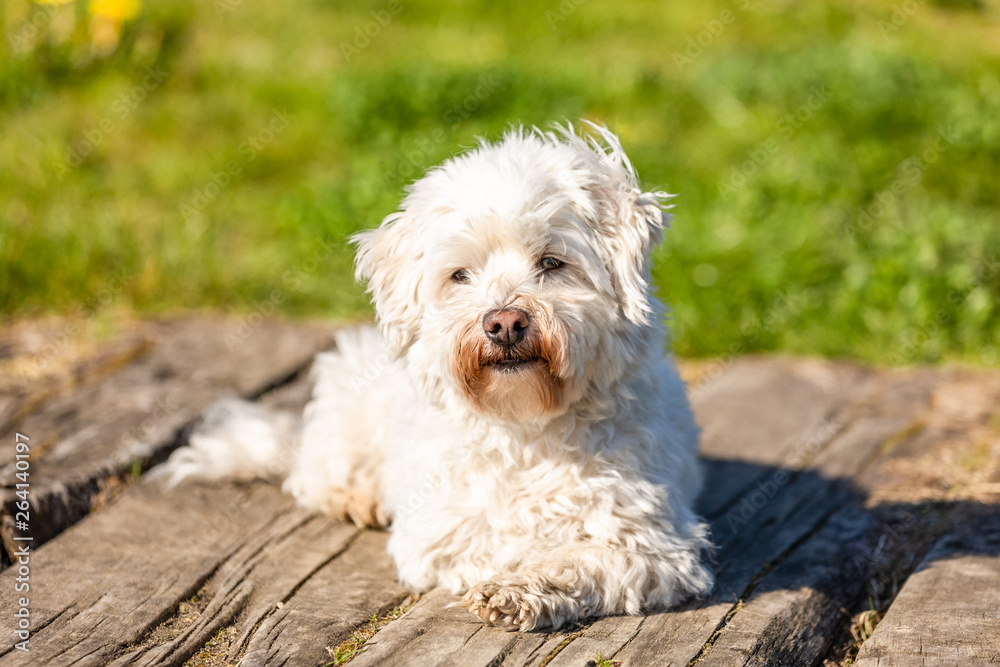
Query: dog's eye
549	264
461	277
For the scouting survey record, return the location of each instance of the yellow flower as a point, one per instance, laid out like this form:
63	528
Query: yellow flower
104	34
118	11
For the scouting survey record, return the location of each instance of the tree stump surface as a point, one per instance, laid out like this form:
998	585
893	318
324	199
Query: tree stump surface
836	494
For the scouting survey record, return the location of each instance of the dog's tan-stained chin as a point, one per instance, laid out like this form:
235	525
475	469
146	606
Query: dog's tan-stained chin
533	389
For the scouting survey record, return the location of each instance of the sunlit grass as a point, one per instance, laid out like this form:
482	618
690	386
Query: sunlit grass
188	200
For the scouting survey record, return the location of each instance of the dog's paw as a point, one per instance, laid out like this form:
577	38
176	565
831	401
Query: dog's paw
359	505
505	604
361	509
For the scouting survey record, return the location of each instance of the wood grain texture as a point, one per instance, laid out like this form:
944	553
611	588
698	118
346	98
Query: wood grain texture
766	412
287	582
42	378
111	579
430	633
253	581
102	429
613	631
948	611
792	615
784	441
340	597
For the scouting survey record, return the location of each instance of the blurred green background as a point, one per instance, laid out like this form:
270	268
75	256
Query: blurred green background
837	161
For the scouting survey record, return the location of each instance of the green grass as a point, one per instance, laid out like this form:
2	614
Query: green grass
773	260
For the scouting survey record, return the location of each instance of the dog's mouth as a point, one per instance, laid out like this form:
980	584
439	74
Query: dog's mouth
513	364
514	382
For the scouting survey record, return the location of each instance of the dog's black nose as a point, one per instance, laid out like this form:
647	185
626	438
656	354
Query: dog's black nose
506	327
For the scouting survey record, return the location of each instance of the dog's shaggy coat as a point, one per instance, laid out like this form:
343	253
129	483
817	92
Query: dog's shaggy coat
514	418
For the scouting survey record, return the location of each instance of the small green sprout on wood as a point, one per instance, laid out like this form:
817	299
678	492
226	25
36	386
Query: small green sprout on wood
600	661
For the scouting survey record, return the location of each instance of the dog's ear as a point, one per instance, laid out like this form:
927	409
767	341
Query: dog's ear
390	260
631	223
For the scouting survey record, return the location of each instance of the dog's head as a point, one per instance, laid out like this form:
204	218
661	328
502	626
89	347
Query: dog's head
516	276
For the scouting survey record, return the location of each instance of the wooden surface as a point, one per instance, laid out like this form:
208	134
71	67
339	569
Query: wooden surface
794	451
948	612
93	434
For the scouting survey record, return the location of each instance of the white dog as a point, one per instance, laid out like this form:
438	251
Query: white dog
513	418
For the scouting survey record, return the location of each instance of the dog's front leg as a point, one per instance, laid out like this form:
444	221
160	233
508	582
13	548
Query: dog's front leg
556	587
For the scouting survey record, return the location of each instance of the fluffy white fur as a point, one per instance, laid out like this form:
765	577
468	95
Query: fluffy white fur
551	488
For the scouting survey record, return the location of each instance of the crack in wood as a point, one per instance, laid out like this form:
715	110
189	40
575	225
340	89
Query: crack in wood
200	586
502	655
120	354
351	540
244	642
35	630
629	640
566	642
534	651
755	582
382	619
469	638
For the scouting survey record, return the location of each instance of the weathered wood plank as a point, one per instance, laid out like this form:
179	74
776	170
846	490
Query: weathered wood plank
769	411
101	429
795	610
791	500
614	631
112	578
964	403
32	372
948	611
432	633
791	616
532	649
328	607
188	533
430	630
289	583
678	637
260	575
